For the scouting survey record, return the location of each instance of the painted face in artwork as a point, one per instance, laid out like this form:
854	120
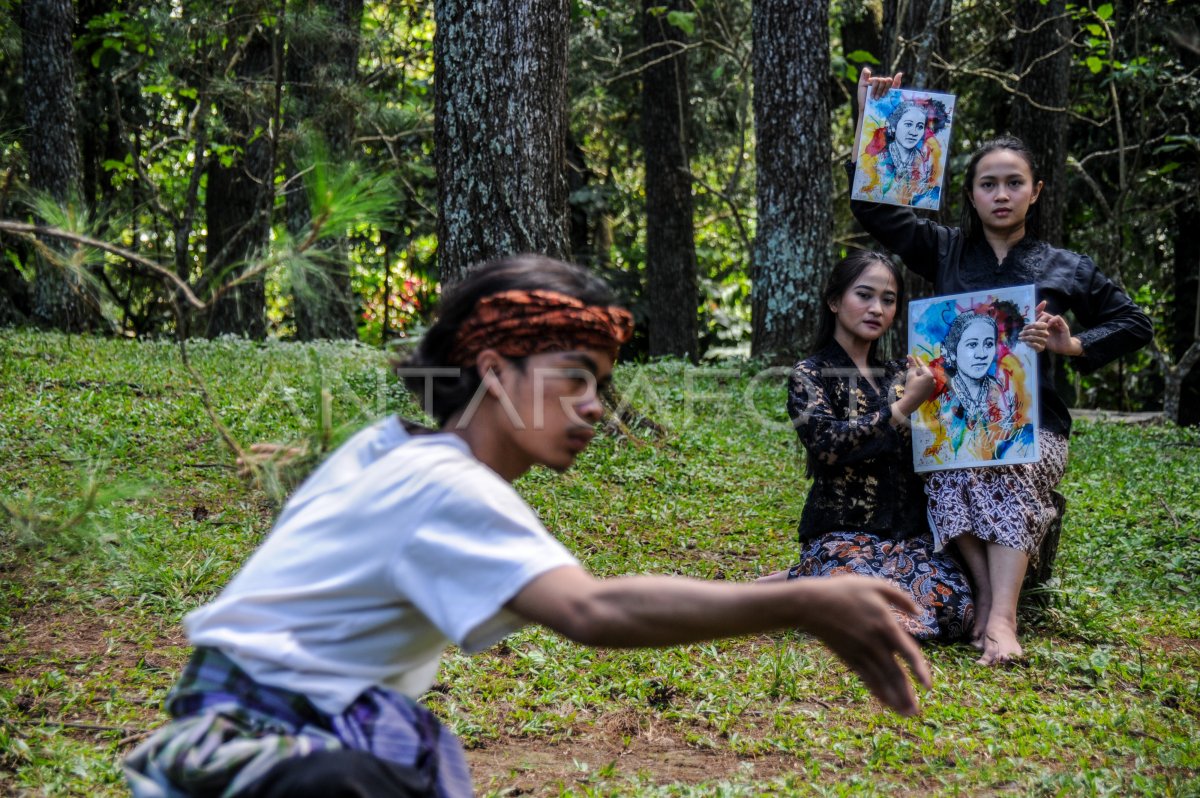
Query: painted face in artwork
910	128
976	349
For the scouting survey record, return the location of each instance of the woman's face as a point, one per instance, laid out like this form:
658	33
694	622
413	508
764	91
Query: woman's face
910	128
866	310
1003	190
976	349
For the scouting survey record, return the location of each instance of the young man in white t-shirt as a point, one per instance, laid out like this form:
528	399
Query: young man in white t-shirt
309	665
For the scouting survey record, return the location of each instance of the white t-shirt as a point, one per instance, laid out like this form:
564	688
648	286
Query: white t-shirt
395	547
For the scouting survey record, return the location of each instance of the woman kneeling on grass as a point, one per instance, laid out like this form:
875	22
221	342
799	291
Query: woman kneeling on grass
865	512
997	517
308	666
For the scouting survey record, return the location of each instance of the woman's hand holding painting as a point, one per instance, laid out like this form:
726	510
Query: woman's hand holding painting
1058	334
918	387
878	87
1036	335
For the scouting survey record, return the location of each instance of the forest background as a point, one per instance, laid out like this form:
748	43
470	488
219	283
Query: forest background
320	168
201	176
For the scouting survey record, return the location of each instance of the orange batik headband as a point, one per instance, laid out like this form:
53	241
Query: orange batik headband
520	323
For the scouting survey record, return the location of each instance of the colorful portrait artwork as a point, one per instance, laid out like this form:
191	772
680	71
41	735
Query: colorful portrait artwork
984	408
904	146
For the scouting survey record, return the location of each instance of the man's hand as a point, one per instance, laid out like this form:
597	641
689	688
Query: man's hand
854	620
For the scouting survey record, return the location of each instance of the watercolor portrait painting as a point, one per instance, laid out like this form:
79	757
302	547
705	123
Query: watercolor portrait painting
984	408
905	143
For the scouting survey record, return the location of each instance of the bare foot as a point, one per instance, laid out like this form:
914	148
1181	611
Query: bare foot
1000	646
979	630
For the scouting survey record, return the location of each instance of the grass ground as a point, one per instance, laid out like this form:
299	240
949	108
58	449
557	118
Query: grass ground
1108	702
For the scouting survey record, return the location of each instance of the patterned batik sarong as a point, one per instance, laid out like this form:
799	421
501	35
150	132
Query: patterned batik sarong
935	581
1012	505
229	732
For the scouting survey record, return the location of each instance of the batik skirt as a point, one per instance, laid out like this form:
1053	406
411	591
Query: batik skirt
1012	506
229	732
936	581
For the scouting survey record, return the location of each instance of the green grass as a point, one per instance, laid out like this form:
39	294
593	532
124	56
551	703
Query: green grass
1108	703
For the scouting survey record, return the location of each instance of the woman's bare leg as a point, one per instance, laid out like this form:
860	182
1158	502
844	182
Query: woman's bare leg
778	576
1006	572
974	553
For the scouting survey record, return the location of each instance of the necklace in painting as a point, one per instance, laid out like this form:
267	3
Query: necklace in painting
972	397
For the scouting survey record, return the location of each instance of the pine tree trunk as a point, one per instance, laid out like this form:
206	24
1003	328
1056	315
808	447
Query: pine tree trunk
670	240
1186	308
1042	55
500	130
14	296
860	25
322	68
51	144
912	32
794	189
240	196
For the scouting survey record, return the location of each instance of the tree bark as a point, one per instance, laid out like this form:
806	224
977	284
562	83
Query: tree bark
912	32
48	66
794	184
1186	314
15	305
670	237
500	130
240	196
1041	54
322	70
861	28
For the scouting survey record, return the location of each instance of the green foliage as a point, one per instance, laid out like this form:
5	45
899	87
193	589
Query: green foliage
1107	703
157	83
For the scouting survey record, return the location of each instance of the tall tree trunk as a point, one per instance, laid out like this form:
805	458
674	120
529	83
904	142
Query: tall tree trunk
912	32
1042	56
48	66
322	70
580	211
99	126
794	184
670	238
240	196
500	130
1186	309
860	23
15	305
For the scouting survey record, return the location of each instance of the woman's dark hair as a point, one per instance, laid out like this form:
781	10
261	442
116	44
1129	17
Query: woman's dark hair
971	223
442	396
954	335
841	278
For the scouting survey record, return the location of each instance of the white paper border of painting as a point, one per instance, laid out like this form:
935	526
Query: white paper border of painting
940	109
924	346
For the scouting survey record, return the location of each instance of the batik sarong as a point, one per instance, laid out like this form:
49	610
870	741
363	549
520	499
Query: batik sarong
229	732
935	581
